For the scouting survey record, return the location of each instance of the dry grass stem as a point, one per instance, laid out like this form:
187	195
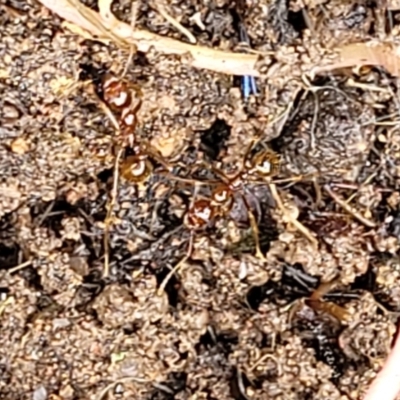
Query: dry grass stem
371	53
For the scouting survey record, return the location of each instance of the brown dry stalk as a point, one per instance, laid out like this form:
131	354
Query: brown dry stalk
371	53
108	221
121	34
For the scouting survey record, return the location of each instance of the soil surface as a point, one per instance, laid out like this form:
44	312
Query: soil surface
226	324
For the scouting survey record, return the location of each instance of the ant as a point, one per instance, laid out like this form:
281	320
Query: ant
262	168
202	213
123	101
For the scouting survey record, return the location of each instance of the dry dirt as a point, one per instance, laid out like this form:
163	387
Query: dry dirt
227	325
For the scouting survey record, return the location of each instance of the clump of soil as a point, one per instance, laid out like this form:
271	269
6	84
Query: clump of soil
226	325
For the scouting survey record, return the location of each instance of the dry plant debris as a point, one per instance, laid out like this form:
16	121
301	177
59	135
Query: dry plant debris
106	26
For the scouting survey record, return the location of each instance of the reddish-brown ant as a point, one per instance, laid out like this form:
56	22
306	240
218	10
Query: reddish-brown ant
259	169
203	212
124	101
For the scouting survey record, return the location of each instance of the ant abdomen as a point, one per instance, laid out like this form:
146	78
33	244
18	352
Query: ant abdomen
136	168
123	99
265	164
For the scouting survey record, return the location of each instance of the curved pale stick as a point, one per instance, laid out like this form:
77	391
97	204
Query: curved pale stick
386	385
106	26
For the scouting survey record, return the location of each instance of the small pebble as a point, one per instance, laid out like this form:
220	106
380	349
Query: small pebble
19	146
40	393
10	112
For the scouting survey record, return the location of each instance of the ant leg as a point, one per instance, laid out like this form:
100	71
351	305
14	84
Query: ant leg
159	158
220	174
178	266
110	210
315	302
256	235
254	228
132	46
188	181
246	155
256	204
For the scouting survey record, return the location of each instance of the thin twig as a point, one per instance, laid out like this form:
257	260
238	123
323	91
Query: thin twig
20	266
266	357
173	271
46	213
256	235
177	267
348	208
241	386
134	11
314	120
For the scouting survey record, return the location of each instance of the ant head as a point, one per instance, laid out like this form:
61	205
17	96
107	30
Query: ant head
199	215
116	93
222	197
136	168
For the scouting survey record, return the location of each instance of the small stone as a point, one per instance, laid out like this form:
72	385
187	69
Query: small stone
40	393
60	323
10	112
19	146
242	270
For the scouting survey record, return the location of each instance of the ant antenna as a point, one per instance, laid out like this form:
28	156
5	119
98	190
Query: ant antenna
132	47
178	266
